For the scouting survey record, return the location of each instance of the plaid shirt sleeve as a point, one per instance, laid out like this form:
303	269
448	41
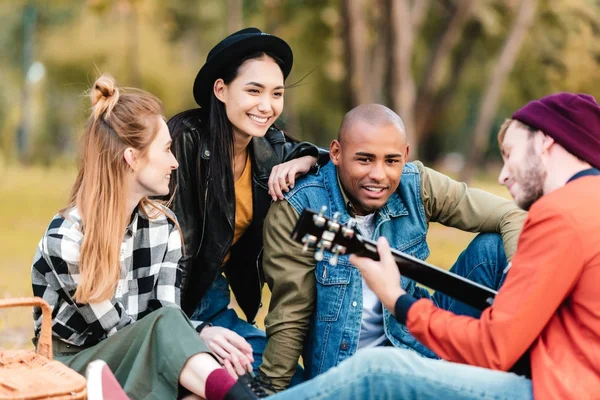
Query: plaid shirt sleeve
168	283
55	273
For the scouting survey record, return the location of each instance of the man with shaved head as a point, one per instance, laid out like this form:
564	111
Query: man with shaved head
327	312
547	313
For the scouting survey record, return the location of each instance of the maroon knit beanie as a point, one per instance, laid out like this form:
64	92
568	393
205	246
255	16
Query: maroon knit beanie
572	120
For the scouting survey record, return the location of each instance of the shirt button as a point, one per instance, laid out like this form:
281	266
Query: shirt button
344	346
354	304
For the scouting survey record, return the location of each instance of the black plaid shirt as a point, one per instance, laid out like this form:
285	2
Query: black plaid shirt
150	277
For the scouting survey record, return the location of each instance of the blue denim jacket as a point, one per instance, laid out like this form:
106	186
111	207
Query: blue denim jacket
336	323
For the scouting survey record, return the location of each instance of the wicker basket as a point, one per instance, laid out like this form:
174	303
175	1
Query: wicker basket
26	375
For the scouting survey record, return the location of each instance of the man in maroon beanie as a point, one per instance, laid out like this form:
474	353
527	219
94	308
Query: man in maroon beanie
541	337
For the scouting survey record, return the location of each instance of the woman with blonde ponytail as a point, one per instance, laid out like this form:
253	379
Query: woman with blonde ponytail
108	263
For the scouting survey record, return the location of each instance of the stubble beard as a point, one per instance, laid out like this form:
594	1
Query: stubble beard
532	182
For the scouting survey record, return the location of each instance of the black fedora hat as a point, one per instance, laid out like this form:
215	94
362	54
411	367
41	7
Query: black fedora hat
234	46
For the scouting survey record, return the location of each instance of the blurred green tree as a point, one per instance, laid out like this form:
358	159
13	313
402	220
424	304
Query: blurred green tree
433	61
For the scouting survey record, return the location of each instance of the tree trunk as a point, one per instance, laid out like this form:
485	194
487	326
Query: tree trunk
418	13
379	54
439	59
443	96
489	105
235	19
355	40
402	84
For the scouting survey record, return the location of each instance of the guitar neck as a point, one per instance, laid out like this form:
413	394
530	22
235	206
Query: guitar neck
434	277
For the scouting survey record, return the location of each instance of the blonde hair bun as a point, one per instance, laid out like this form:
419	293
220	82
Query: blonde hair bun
104	96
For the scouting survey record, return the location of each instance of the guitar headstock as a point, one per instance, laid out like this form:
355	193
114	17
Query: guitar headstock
313	229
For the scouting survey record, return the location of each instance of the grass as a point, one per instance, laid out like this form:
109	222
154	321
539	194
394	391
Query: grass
30	197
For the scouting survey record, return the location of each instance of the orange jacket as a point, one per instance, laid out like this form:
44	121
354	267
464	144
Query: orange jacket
549	303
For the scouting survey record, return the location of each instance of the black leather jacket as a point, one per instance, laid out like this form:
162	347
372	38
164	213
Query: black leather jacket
208	234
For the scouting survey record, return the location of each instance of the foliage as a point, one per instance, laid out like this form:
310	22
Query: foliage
160	46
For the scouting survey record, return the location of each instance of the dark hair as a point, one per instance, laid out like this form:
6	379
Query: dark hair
217	131
220	132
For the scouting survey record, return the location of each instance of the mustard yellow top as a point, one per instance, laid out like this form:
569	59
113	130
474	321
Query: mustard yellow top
243	203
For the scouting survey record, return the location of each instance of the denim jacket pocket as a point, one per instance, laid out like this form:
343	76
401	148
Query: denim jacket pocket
332	283
416	248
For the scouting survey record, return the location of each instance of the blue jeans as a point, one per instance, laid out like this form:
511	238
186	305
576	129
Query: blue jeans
214	308
386	373
484	262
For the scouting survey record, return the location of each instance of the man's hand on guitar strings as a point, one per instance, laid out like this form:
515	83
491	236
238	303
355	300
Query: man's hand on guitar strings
382	277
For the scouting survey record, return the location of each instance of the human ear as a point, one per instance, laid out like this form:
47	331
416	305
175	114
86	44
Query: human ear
219	89
130	156
547	142
335	150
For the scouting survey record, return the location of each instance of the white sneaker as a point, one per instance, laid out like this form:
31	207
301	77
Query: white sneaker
102	384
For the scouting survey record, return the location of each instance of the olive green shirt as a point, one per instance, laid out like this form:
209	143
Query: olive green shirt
289	270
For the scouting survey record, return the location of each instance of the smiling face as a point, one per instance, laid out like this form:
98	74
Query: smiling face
152	173
370	159
523	172
254	99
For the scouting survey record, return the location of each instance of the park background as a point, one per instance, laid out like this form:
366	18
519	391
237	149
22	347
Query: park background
452	69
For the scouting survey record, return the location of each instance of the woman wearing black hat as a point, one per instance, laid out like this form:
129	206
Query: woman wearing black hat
227	150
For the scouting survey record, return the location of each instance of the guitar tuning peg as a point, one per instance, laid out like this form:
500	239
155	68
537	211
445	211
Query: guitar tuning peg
348	230
321	247
309	241
337	250
320	219
333	260
334	225
319	254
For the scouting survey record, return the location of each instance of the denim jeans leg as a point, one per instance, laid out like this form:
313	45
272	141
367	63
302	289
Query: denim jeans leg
384	373
484	262
214	308
254	336
215	301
